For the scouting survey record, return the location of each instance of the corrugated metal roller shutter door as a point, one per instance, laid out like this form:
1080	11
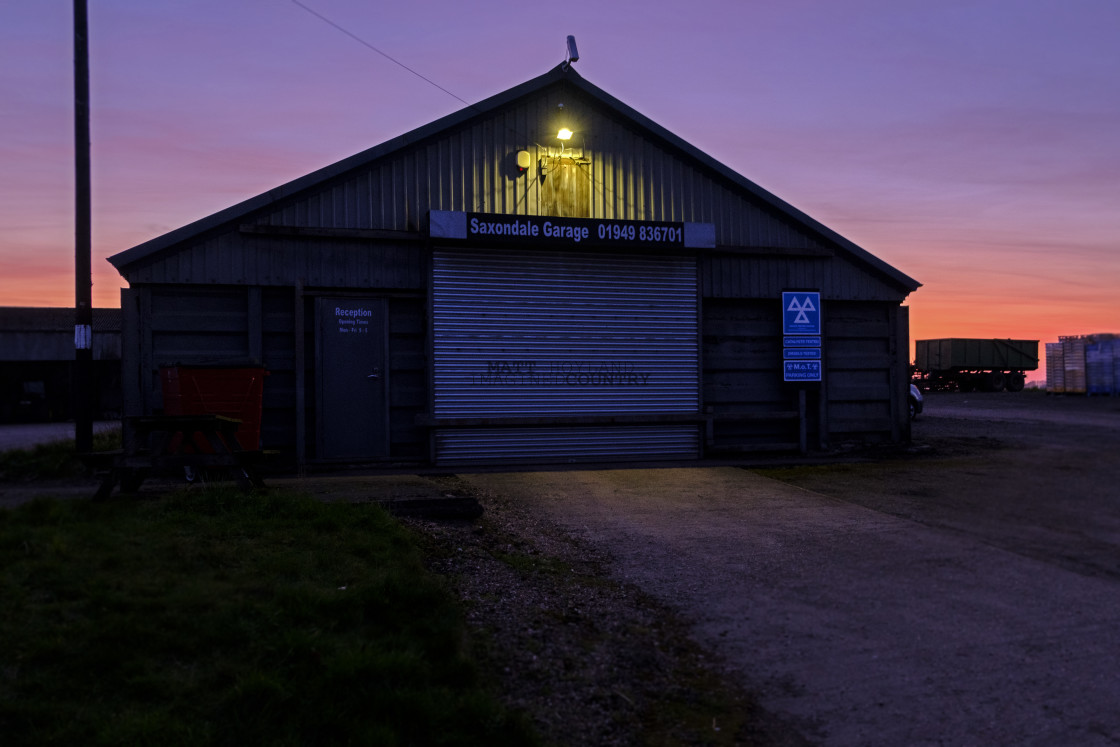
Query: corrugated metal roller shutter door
543	334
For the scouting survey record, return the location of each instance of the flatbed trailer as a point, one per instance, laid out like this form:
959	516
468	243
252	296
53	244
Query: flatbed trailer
971	364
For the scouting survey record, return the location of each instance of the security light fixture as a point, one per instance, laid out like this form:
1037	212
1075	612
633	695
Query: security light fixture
573	54
564	134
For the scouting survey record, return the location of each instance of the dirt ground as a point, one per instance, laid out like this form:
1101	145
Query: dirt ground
966	592
1035	475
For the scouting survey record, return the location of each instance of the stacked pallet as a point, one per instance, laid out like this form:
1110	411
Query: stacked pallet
1084	364
1055	368
1102	367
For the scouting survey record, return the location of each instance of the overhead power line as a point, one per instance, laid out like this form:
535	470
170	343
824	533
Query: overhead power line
572	57
365	43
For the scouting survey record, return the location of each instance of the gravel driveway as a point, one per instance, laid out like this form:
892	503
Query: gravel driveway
894	603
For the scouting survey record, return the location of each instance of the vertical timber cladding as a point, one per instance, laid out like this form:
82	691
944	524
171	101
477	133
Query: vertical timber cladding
549	346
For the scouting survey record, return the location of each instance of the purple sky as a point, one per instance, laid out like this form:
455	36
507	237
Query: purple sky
974	145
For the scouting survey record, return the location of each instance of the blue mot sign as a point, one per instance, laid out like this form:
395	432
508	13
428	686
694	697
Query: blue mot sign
801	313
802	370
801	330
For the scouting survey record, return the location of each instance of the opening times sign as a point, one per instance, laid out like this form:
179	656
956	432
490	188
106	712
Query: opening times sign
801	336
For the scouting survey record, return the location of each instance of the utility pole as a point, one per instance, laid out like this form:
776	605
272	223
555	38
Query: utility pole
82	386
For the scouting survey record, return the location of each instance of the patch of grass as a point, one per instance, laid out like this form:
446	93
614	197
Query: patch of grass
700	710
53	460
800	472
217	617
523	562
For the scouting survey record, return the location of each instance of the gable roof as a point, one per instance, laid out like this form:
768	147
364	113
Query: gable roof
562	74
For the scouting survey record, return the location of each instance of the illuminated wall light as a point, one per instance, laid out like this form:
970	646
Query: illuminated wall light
564	134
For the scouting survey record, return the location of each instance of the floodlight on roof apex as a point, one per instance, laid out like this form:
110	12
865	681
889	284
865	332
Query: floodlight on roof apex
573	53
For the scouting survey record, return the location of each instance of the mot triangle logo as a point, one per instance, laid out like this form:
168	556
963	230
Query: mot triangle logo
801	312
801	307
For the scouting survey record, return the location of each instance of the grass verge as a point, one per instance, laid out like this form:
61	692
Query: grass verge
216	617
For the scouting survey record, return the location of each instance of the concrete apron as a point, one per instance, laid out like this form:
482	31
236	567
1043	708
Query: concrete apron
859	627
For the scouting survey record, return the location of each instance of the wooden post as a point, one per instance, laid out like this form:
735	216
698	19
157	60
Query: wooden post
802	422
82	387
301	380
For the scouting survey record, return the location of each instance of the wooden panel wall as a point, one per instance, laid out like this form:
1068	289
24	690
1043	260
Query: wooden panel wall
756	275
232	257
742	365
176	324
742	374
628	175
862	376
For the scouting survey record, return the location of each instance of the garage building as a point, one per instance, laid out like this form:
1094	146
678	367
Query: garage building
479	291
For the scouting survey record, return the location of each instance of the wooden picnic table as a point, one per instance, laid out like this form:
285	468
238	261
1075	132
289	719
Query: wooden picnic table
162	443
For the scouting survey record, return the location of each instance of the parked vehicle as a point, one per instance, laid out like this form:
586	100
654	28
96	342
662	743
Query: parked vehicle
916	402
966	364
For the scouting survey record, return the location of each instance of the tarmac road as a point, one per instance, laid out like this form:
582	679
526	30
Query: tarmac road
893	604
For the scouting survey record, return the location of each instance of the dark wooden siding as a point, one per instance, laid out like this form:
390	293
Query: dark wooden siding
742	374
742	365
231	290
234	257
746	275
278	355
408	361
865	359
473	169
195	325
